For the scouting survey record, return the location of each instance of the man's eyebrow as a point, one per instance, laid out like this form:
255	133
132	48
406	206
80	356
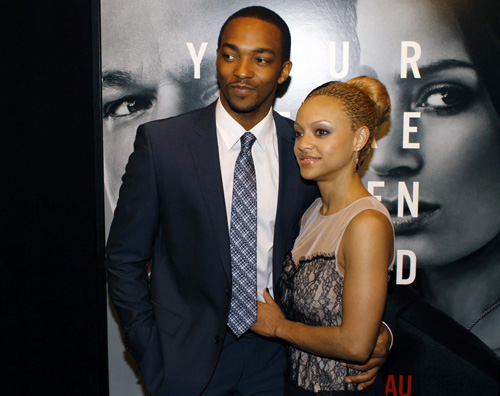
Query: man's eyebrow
230	46
258	50
438	66
118	78
263	51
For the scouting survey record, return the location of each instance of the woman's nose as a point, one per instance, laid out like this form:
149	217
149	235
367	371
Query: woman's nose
304	142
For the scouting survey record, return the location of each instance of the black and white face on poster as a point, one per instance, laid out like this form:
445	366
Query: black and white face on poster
436	168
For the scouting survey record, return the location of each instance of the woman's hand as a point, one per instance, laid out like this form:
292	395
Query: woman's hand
269	317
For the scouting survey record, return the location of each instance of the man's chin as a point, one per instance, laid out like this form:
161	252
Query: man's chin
242	109
241	105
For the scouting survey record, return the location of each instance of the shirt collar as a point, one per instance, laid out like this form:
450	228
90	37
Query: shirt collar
231	131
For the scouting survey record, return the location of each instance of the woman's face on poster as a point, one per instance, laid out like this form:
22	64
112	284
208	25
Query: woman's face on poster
458	162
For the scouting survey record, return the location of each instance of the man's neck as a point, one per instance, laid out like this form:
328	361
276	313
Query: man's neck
246	120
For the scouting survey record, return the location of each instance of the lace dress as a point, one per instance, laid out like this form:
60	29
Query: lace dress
311	288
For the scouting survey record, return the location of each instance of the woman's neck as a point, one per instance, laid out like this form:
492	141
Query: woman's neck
466	288
338	193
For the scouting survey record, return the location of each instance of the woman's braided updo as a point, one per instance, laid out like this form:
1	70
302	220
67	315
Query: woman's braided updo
365	101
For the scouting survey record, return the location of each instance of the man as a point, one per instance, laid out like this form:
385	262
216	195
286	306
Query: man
148	72
176	208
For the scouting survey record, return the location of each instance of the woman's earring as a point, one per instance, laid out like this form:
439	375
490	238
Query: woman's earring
356	167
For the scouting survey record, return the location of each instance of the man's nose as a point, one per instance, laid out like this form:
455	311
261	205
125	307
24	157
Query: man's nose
244	68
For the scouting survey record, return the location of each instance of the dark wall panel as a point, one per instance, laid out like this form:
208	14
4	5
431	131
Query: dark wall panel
53	229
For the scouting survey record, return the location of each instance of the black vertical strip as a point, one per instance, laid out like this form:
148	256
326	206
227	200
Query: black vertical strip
102	385
53	282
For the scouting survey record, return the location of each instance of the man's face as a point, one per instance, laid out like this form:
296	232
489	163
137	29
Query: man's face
249	68
148	72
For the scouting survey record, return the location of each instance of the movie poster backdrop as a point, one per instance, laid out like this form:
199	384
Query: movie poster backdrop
435	166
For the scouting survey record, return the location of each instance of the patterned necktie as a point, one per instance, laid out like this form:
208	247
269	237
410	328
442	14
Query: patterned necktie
243	241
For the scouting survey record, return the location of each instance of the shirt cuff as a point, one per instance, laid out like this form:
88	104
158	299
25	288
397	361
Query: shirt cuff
390	332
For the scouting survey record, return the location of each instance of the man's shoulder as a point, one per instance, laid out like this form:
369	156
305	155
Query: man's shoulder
278	118
284	126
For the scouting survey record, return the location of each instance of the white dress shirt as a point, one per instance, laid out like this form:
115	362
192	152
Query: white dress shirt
265	158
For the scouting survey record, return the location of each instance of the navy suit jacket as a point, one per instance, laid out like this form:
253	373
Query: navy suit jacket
172	211
434	355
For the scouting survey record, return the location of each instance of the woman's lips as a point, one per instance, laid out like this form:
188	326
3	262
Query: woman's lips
306	160
409	224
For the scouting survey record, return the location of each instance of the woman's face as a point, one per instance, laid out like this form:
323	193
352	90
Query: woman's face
324	140
457	165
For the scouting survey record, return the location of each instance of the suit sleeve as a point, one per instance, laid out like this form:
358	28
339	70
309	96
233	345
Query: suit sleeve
130	246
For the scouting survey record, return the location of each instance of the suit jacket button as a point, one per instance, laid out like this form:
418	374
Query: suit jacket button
217	339
227	291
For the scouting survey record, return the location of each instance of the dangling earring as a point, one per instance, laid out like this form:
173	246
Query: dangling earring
356	167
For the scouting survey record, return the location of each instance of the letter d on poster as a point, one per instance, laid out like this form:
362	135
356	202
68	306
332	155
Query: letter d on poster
399	267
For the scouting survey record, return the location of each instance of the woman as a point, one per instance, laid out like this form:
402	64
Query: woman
456	236
334	283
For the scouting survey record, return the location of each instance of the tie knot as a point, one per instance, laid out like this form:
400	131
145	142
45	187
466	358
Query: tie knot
247	140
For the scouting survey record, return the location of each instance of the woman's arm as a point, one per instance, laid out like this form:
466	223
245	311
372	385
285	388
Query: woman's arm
365	253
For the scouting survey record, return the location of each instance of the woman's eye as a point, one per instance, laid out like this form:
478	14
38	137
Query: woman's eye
445	99
298	134
321	132
127	106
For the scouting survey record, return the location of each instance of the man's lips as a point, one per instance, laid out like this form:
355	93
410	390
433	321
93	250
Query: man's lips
408	223
241	89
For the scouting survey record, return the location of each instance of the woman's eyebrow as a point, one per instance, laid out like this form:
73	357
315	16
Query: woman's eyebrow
444	64
435	67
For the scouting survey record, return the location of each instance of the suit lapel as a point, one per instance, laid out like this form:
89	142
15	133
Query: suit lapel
289	195
206	159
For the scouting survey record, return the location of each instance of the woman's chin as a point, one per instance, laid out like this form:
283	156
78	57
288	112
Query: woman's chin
307	175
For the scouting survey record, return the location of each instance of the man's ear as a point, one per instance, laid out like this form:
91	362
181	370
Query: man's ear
285	71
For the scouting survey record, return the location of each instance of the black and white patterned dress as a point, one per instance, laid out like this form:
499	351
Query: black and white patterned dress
311	288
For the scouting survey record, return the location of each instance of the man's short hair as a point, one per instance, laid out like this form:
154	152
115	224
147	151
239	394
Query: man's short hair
267	15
